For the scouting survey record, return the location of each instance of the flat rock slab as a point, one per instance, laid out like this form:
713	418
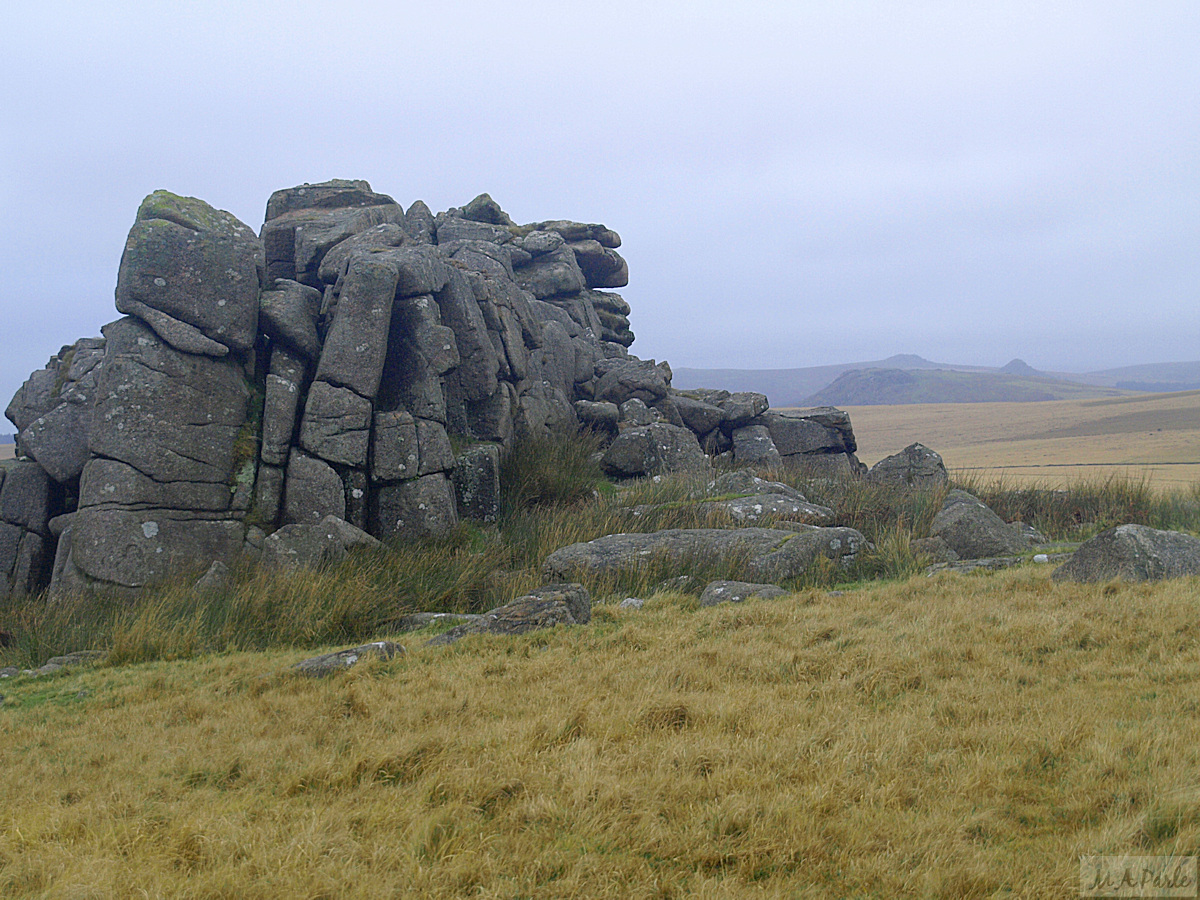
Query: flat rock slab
761	506
417	621
1135	553
993	564
554	604
328	663
769	553
738	591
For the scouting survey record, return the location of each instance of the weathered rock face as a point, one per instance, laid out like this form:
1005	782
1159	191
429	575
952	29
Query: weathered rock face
329	366
1135	553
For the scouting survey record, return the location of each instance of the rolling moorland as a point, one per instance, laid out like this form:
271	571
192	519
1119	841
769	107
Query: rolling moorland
1151	436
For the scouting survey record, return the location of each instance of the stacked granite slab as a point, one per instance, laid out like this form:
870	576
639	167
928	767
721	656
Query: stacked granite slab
354	359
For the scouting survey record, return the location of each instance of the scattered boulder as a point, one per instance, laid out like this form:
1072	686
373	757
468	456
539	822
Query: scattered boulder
68	661
973	531
738	591
1134	553
339	661
554	604
915	466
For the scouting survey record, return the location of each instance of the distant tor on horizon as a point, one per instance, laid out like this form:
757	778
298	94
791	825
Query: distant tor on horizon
807	385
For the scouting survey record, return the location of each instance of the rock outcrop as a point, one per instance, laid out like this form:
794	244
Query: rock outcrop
355	360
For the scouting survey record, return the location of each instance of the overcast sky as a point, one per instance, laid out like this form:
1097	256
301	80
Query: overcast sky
796	184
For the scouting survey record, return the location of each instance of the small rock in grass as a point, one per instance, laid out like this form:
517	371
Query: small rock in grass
738	591
327	664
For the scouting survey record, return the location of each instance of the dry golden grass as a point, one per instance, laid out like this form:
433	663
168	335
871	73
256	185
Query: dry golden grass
969	736
8	451
1155	436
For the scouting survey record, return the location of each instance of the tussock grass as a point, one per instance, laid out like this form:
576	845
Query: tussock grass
964	736
1087	507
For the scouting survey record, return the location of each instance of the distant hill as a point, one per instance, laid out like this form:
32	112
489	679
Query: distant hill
1154	377
1020	367
789	387
797	387
884	387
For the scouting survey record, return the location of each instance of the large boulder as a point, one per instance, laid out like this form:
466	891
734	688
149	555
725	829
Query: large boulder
297	241
1135	553
132	548
288	314
173	416
552	273
284	387
327	542
973	531
810	432
193	274
915	466
626	379
654	450
336	425
53	409
334	194
753	446
313	490
418	507
356	347
767	554
477	482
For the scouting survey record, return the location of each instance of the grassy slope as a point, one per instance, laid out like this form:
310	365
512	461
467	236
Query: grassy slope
956	737
1157	435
